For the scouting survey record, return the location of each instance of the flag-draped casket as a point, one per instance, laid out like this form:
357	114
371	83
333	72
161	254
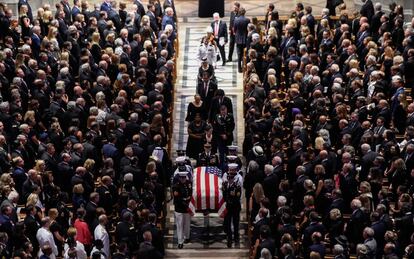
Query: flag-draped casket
207	194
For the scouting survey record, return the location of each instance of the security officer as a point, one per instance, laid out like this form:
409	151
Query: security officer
232	188
182	191
206	158
182	164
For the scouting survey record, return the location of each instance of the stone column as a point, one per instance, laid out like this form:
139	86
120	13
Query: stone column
12	4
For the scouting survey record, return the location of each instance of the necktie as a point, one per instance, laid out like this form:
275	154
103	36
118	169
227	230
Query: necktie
205	88
216	28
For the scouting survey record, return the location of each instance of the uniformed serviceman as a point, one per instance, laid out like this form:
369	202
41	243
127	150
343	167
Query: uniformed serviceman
182	164
232	157
182	191
232	188
223	127
207	158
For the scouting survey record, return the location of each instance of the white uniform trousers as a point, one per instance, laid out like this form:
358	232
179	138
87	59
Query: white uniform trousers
183	221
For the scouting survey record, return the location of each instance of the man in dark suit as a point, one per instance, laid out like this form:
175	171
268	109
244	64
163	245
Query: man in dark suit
67	10
376	21
265	242
288	42
140	7
157	235
367	161
356	223
31	225
206	89
64	173
220	35
404	225
109	149
29	8
314	226
367	9
146	249
90	209
233	15
270	181
219	99
153	19
240	30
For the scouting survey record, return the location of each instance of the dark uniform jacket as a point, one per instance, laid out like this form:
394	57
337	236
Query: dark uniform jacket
182	195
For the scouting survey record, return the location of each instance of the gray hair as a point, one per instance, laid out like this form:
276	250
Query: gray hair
281	200
268	169
253	166
338	249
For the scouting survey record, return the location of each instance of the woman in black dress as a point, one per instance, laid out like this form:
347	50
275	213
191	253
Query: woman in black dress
195	137
57	230
196	107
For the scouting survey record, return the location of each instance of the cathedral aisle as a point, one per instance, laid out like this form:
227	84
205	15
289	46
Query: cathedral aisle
191	30
207	236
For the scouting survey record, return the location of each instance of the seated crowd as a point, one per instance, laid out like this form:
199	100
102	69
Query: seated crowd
329	134
85	104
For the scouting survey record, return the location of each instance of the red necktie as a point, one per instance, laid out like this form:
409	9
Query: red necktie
216	29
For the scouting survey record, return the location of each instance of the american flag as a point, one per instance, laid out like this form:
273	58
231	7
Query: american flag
207	191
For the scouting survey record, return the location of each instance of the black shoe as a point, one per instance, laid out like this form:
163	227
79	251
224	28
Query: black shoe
180	246
223	64
229	60
229	244
186	241
240	71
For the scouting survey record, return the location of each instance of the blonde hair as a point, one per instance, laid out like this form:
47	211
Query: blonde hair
29	115
95	38
335	214
89	164
72	232
39	163
32	199
258	192
78	189
319	141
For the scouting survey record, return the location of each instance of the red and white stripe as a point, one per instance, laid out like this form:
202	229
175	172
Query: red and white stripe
207	192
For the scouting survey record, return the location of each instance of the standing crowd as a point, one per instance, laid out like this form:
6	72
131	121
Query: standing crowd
329	131
85	107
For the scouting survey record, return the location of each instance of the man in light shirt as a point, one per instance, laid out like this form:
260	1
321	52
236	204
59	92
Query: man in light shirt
101	233
45	237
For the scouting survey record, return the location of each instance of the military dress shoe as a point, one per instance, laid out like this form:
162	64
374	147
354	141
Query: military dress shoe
180	246
228	243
